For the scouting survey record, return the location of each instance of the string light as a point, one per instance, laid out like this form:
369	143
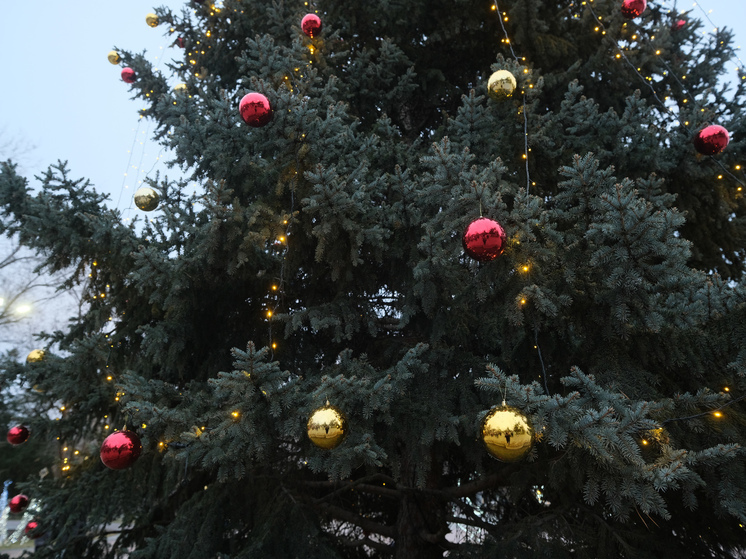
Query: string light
647	80
524	111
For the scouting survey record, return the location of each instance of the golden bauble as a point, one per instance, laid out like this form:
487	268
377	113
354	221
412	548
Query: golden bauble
327	427
501	85
507	434
152	20
35	356
180	88
147	198
113	57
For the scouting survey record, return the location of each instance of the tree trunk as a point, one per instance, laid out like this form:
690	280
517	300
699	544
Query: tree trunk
420	525
419	517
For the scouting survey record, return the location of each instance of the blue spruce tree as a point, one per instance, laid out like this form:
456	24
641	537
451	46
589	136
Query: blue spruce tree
321	260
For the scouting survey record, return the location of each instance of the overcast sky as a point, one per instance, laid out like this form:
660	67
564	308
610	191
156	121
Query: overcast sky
62	96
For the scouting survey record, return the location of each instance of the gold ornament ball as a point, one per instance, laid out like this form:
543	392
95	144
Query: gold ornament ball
113	57
327	427
180	88
501	85
146	199
152	20
35	356
507	434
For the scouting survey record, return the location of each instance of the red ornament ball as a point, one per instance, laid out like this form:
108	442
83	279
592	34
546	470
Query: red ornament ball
120	450
678	24
255	109
128	75
180	42
711	140
33	525
18	434
311	25
18	503
484	239
633	8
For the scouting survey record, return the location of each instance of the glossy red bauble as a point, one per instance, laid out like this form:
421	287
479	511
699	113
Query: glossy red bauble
120	450
18	434
311	25
18	503
678	24
633	8
484	239
255	109
128	75
33	525
711	140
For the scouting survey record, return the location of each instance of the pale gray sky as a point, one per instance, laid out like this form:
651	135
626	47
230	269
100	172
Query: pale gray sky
61	95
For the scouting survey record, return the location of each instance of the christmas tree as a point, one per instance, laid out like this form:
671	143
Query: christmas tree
321	347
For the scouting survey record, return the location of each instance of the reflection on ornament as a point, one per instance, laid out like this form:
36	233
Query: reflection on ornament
128	75
35	356
180	88
113	57
501	85
18	503
507	434
146	198
711	140
33	525
311	25
484	239
18	434
255	109
152	20
327	427
633	8
120	450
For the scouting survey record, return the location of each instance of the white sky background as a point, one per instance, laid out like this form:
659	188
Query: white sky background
60	95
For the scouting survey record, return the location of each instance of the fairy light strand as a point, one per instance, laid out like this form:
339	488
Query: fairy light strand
733	51
708	412
628	61
525	108
655	95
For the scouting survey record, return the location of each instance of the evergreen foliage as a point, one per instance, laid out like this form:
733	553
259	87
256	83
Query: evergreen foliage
321	260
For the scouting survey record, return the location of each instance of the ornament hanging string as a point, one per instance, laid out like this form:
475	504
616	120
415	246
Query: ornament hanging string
541	359
139	164
504	391
525	109
129	161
